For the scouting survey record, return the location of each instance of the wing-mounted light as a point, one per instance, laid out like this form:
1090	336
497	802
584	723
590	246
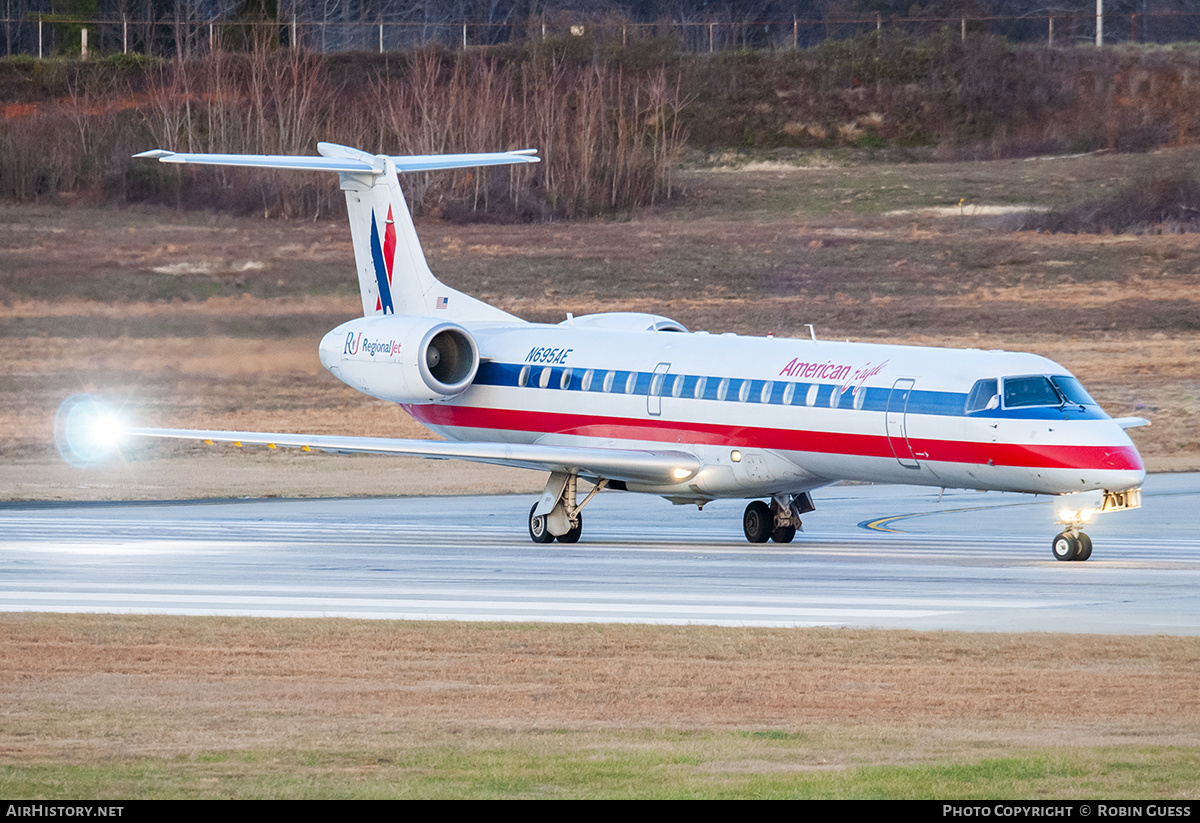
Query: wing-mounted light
87	430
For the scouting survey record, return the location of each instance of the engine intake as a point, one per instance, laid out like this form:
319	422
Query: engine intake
451	359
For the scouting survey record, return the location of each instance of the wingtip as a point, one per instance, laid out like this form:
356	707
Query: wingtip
155	154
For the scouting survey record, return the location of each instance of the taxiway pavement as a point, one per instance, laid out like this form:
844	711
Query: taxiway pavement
970	561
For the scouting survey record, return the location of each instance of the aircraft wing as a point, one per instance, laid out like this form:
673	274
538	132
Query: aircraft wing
664	467
1131	422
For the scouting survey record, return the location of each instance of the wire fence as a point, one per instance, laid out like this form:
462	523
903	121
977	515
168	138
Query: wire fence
58	36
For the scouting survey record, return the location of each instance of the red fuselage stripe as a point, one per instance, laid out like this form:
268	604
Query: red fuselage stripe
1047	456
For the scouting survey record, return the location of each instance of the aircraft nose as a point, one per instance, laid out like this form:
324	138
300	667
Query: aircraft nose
1123	467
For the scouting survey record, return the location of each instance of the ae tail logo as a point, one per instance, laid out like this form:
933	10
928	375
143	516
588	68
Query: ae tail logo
384	257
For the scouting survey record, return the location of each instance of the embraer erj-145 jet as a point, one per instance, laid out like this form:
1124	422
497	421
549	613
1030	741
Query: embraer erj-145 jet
635	402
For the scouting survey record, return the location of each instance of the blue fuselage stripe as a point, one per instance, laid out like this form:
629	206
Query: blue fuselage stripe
874	399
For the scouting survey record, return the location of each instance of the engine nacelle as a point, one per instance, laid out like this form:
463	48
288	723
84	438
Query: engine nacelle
402	359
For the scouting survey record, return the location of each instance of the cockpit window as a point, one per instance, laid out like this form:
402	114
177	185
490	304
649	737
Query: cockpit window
1029	391
1073	390
984	395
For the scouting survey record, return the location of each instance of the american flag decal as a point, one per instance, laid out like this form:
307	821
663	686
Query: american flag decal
443	302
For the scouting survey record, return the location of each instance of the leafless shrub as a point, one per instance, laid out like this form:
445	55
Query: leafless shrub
608	138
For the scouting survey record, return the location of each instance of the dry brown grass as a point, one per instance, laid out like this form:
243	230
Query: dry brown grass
105	686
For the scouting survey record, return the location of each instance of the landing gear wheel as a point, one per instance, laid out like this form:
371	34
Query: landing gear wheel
572	536
538	532
1065	547
758	522
784	534
1085	547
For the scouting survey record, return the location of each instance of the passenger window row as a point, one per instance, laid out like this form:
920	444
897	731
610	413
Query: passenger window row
698	387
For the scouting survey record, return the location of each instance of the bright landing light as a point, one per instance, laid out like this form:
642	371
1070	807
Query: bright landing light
86	430
1072	516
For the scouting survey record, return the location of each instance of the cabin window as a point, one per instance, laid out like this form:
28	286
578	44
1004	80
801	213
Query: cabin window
630	382
586	384
677	388
835	398
565	381
523	377
723	388
608	381
1020	392
811	398
744	392
701	385
765	395
789	393
860	396
544	378
985	394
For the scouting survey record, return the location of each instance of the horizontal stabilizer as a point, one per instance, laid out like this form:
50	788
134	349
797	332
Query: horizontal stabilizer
344	159
1131	422
666	467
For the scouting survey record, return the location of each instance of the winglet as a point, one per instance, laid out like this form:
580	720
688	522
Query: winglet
155	153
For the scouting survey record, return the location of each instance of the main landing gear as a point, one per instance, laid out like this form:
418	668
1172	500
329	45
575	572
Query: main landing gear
778	521
556	514
1071	545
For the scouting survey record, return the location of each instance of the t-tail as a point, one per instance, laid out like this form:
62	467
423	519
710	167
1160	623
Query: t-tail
393	276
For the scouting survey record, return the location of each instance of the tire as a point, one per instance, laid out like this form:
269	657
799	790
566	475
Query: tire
538	532
1085	547
758	522
784	534
572	536
1064	546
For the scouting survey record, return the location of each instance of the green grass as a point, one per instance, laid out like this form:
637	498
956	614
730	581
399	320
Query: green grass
583	764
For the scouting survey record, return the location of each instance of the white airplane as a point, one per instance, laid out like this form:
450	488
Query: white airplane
636	402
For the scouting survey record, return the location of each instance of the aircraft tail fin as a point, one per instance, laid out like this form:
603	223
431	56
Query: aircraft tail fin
393	275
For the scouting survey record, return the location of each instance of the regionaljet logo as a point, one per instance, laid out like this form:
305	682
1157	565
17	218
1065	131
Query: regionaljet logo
355	342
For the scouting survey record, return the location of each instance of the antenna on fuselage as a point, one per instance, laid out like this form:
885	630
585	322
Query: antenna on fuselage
812	332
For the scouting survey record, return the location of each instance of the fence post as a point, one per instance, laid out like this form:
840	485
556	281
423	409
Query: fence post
381	35
212	40
124	34
1050	39
83	44
710	39
293	28
39	37
1133	28
963	26
795	38
1099	23
464	36
878	21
